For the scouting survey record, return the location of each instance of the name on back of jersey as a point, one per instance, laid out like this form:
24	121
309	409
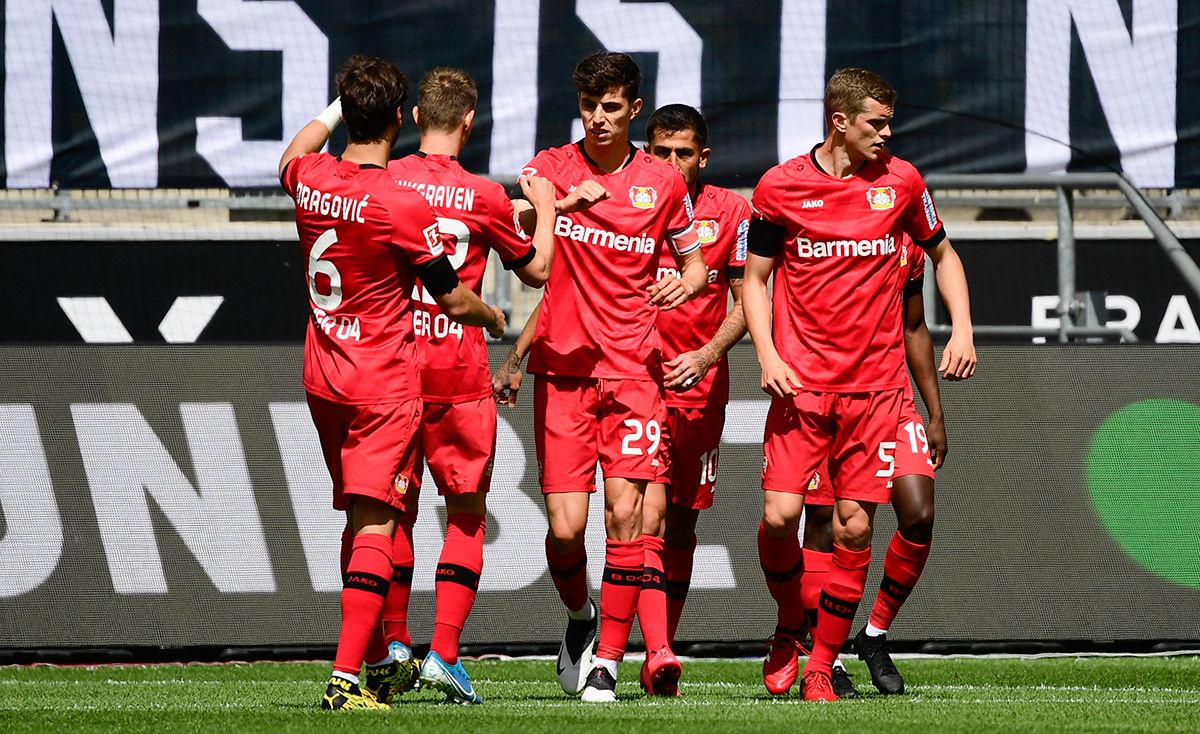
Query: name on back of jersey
330	205
806	248
444	197
640	244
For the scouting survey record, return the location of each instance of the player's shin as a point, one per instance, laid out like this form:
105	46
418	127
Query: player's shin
395	606
364	586
837	606
622	582
677	565
902	568
652	600
782	565
457	582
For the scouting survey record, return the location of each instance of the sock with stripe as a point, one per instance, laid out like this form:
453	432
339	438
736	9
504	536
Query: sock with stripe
568	571
816	570
652	600
457	581
782	565
677	565
624	562
902	567
364	586
837	606
395	607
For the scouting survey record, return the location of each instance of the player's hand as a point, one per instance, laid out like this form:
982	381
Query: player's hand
670	292
686	371
496	328
539	191
506	383
778	379
935	432
958	360
583	197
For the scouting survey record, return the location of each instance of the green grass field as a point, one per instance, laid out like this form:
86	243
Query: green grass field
1159	694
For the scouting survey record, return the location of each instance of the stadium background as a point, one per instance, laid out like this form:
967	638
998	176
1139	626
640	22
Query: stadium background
136	479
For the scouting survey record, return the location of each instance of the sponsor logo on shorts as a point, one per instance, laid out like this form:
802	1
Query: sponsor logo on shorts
707	230
881	197
643	197
433	239
815	481
400	484
931	217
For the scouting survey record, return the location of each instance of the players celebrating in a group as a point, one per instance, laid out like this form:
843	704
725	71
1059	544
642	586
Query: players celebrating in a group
695	338
830	225
367	241
598	358
458	426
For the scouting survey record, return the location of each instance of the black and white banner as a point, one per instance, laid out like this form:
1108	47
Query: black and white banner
176	496
143	93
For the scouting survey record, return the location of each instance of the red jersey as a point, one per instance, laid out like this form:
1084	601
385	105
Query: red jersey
912	265
837	319
478	216
722	220
363	237
595	320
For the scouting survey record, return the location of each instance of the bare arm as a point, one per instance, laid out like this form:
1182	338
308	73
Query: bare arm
778	379
958	360
506	383
918	351
540	194
462	305
673	291
313	136
584	196
690	367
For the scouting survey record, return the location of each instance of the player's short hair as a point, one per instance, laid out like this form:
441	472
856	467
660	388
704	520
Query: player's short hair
372	89
676	118
600	72
849	89
445	95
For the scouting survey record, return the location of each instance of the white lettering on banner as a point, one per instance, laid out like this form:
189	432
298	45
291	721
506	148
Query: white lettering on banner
93	317
846	248
801	118
264	26
1134	70
1178	324
514	85
217	519
649	27
564	227
116	69
33	536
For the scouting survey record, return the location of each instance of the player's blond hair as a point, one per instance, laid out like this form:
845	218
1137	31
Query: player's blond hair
444	96
849	89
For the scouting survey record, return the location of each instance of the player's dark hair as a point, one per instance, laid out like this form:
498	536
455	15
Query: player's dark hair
849	89
676	118
372	89
600	72
444	96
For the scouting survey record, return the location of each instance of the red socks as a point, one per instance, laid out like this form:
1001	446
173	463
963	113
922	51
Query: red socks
652	601
677	563
624	563
901	568
816	570
838	604
395	607
569	573
457	581
364	586
782	565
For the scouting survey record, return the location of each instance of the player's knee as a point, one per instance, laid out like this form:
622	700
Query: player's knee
854	534
778	523
918	527
565	535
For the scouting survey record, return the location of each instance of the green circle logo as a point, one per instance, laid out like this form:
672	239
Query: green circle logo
1143	472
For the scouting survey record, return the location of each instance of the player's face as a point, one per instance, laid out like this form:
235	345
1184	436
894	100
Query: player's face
868	132
606	118
681	149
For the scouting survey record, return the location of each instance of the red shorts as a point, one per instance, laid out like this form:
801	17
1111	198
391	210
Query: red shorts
371	450
458	441
854	432
691	442
578	421
912	457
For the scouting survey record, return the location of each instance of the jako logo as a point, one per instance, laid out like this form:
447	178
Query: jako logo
846	248
813	204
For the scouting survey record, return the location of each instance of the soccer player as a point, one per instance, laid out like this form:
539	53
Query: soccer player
920	450
829	225
695	338
458	426
598	396
367	240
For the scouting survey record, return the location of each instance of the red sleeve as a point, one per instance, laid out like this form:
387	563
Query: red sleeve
543	164
916	261
741	220
504	235
291	174
415	230
921	220
764	200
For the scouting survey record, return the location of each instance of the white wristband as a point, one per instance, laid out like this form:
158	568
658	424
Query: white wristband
331	115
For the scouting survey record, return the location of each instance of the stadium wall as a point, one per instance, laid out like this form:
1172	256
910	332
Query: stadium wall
174	496
147	94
